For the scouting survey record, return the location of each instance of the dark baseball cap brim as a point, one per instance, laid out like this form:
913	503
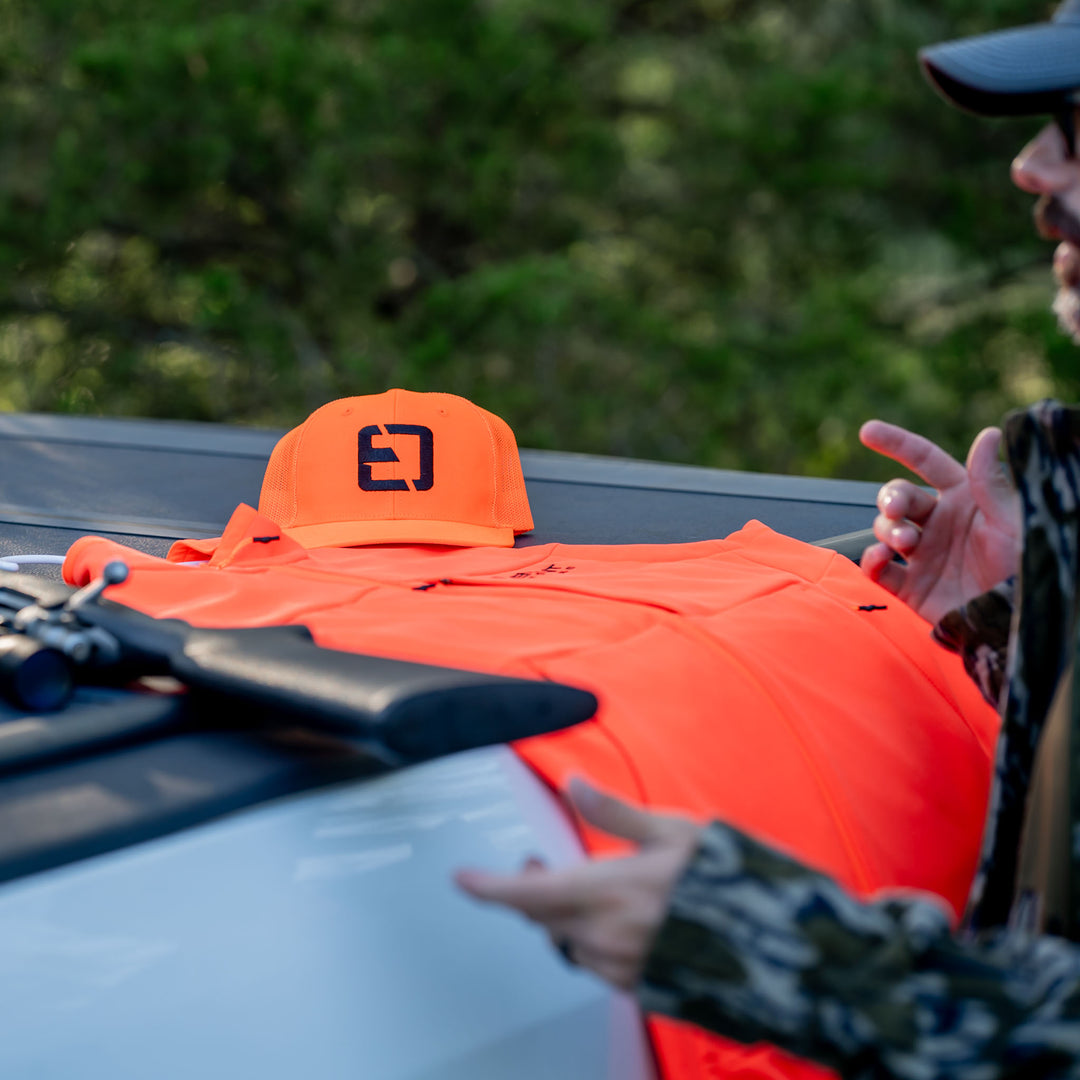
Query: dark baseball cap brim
1020	72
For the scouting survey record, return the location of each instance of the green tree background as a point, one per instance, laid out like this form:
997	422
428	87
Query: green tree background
714	231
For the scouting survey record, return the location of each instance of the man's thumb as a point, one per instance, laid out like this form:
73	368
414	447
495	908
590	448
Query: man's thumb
990	484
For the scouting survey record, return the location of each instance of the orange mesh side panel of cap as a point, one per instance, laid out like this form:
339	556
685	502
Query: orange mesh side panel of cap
511	498
277	499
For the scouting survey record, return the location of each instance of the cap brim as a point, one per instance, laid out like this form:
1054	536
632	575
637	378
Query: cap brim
360	533
1019	72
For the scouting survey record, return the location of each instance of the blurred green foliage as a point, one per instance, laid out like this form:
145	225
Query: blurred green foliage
716	231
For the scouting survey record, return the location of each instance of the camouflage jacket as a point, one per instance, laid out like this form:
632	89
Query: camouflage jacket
757	947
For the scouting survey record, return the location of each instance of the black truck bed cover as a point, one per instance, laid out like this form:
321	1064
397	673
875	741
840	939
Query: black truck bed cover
148	482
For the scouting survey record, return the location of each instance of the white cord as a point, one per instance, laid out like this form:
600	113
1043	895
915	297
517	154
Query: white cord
12	563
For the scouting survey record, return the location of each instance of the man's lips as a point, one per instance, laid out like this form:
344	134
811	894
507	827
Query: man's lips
1055	221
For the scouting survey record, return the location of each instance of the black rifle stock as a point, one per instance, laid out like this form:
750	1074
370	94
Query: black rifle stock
278	674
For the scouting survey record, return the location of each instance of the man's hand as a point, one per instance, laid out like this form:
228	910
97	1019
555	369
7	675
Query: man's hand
957	543
604	914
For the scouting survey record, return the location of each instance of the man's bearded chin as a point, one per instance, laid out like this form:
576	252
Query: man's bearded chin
1056	222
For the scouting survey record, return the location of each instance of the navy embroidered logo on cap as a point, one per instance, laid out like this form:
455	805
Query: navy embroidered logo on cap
367	455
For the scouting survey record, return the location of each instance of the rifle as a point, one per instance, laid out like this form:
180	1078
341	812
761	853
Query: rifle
54	638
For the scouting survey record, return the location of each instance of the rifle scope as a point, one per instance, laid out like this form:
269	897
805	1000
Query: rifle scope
33	676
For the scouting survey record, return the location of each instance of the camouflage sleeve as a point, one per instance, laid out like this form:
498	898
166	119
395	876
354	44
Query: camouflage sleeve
757	947
979	632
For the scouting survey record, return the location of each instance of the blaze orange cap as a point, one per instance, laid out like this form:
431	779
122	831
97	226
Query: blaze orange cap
398	468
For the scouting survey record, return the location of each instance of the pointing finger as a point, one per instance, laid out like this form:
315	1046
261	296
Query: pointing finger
920	455
542	895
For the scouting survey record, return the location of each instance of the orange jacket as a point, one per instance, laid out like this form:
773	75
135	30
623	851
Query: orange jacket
756	679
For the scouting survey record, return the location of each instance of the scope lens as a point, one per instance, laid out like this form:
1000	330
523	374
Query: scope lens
33	676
